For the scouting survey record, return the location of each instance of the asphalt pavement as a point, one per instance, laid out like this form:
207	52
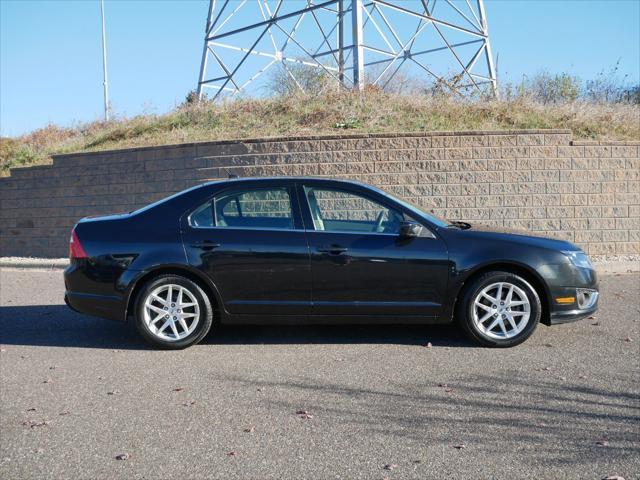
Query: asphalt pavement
83	398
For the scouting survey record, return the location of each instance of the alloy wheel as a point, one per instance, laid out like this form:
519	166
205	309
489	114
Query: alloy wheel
501	310
171	312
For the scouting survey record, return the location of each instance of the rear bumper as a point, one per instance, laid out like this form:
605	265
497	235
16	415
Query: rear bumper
94	291
103	306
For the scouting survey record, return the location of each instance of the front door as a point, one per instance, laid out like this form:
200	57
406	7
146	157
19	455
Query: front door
361	266
250	242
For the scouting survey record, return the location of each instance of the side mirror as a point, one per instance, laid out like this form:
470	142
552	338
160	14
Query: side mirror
410	229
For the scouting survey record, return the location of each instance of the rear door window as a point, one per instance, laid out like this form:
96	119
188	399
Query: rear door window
253	208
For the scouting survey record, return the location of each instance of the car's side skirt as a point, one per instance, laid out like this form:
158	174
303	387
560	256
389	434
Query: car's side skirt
333	320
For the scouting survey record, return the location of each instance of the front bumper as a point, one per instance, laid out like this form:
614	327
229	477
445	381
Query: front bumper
585	305
567	316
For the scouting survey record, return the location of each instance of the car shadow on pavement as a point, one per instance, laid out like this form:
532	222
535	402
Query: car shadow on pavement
58	326
437	335
568	421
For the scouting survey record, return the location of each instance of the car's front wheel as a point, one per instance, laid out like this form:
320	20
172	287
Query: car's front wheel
499	309
173	312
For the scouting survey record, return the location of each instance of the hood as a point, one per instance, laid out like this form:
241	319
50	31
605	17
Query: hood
518	236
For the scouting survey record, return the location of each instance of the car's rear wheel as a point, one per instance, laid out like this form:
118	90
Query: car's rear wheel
173	312
499	309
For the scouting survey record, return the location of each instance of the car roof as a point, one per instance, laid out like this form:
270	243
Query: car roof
285	178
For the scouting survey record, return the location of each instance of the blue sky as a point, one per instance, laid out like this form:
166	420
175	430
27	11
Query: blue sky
51	70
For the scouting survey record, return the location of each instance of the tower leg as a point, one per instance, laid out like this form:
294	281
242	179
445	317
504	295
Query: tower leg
203	63
358	45
487	48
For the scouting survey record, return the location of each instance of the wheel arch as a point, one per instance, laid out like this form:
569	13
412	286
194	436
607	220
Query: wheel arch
519	269
192	274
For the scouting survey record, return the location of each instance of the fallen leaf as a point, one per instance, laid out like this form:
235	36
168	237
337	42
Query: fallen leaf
123	456
390	466
250	429
459	446
32	409
602	443
231	454
63	413
34	424
179	389
302	412
417	461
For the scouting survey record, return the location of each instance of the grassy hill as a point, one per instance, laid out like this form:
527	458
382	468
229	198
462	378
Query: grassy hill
325	113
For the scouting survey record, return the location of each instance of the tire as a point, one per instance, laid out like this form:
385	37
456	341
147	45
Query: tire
166	329
491	323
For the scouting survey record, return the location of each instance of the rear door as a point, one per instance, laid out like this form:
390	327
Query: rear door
359	263
250	241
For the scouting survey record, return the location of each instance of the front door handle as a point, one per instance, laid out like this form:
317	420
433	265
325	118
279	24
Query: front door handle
205	245
333	249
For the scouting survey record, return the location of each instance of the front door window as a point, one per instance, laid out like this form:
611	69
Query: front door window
334	210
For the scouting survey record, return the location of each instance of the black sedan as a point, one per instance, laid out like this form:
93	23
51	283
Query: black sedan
310	250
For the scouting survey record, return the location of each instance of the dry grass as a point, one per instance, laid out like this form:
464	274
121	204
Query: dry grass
328	113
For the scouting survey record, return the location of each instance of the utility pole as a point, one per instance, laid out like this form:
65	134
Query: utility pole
105	82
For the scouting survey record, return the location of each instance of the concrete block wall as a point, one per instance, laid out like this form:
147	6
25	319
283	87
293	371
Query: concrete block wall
585	192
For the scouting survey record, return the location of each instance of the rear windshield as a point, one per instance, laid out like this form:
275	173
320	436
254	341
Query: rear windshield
163	200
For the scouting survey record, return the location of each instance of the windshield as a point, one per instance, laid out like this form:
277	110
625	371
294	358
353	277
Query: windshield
411	206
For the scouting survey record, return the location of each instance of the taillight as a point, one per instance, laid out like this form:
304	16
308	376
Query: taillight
75	247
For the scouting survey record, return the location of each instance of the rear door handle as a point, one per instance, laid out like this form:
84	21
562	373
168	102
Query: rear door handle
333	249
205	245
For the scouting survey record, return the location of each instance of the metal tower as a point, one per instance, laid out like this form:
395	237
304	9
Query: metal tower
355	42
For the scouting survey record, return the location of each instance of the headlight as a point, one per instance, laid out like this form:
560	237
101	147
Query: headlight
579	258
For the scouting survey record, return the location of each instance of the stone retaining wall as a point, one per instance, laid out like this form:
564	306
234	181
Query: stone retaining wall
586	192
